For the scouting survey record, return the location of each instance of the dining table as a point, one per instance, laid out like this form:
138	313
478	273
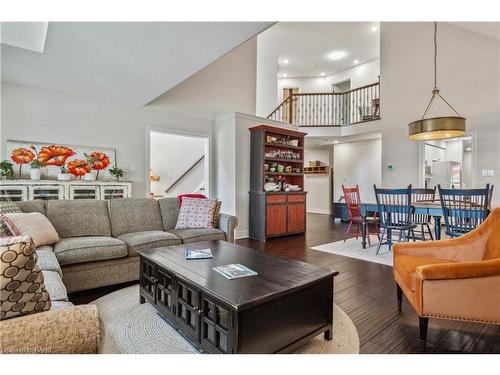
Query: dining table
433	209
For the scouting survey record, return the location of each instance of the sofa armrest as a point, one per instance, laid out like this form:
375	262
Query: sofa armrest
70	330
228	224
460	270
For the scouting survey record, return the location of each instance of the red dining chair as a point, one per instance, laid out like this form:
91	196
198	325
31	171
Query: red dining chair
353	201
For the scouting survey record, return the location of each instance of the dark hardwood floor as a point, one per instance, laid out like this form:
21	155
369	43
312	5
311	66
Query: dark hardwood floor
367	293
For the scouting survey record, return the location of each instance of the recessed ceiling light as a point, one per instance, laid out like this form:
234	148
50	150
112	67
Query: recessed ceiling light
374	28
337	55
285	75
468	149
322	73
356	61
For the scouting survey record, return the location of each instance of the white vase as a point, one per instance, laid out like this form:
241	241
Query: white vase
35	174
91	176
64	177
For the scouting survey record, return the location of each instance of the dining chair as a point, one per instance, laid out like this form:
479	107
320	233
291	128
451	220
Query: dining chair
395	211
422	221
353	201
464	209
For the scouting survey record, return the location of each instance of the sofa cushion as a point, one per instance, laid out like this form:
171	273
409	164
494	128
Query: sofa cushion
89	249
169	208
9	208
130	215
35	225
81	217
196	235
55	287
58	305
22	286
406	265
33	206
148	240
47	261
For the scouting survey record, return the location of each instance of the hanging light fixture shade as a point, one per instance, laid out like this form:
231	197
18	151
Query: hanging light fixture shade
436	127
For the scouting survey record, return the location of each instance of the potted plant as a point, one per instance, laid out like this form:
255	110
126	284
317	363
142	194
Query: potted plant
36	169
116	172
64	175
6	169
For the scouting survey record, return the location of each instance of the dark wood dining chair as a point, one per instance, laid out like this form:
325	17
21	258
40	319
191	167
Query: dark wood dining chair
422	221
395	212
353	201
464	209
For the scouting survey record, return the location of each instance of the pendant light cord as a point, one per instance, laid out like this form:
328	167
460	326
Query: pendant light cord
436	91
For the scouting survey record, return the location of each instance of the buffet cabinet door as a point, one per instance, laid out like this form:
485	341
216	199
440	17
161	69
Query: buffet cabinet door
187	309
114	191
147	280
84	192
216	326
46	192
13	193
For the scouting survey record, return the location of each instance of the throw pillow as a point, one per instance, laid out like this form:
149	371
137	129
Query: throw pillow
217	213
182	196
9	208
7	227
22	288
35	225
196	213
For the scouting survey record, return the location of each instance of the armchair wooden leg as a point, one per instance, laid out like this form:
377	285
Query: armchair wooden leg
423	323
399	292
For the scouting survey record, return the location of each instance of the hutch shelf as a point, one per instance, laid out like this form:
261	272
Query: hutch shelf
276	153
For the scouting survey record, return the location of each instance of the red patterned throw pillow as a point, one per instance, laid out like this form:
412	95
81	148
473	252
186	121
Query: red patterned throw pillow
196	213
182	196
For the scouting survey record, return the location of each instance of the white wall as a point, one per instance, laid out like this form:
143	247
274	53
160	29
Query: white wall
454	151
359	75
319	197
171	156
226	85
31	114
469	78
357	163
267	75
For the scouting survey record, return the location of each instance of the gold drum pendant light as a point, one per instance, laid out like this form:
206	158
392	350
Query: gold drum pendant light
436	127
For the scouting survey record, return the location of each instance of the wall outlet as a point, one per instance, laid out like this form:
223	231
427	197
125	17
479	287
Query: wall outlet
487	172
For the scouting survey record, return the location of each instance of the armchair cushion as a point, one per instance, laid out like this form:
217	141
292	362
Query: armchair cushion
406	266
459	270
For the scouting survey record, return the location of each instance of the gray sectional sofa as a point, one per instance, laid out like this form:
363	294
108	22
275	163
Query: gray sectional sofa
99	240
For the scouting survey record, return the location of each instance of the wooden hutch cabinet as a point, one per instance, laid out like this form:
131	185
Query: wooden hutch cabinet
276	154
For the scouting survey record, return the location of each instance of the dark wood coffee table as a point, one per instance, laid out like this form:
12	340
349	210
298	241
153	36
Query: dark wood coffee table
285	305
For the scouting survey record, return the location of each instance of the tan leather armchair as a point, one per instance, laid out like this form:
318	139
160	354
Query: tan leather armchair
455	279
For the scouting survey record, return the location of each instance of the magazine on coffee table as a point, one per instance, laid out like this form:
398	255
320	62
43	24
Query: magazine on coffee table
193	254
235	271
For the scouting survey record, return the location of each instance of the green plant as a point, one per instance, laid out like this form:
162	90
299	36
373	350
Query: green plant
6	169
116	172
36	164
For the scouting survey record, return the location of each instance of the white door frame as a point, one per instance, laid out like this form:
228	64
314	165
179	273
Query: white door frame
209	168
474	171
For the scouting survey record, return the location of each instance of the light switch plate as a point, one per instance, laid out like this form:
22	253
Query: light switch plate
487	172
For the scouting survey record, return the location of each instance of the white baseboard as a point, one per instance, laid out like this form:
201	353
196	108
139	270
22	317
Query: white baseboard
318	211
240	234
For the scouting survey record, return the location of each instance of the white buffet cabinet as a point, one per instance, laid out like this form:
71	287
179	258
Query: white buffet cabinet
27	190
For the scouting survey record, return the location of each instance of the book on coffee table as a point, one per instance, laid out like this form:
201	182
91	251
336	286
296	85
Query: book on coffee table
235	271
192	254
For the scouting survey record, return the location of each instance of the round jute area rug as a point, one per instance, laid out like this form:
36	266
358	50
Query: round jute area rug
131	328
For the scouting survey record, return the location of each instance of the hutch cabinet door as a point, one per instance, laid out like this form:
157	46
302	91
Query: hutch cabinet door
84	192
13	193
275	219
187	309
147	280
216	326
296	217
46	192
114	191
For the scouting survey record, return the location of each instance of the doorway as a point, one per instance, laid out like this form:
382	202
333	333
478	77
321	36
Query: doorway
178	164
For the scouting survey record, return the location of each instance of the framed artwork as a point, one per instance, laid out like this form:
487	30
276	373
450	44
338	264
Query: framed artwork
73	153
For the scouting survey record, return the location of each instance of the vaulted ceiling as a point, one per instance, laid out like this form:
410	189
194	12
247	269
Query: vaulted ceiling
127	62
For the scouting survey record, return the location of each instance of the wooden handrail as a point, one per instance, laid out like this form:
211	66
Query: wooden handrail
279	106
184	174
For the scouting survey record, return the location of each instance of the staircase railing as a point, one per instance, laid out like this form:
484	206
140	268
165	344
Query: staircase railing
184	174
358	105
